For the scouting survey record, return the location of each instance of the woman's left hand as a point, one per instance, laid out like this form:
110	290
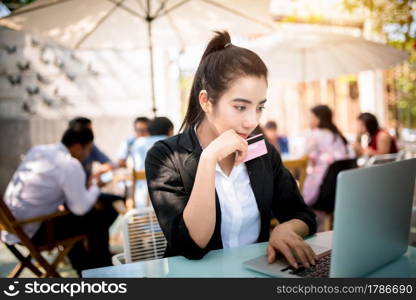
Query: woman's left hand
285	240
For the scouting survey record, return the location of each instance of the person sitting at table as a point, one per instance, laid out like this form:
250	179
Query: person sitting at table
324	145
204	195
280	142
141	129
49	177
110	202
159	129
380	141
96	155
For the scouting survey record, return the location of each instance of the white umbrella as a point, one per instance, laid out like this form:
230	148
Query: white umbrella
129	24
302	55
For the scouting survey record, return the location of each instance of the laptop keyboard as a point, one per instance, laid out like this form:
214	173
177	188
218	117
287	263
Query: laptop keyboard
321	268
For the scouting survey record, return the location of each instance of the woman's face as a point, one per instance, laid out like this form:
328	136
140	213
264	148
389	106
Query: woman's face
361	127
240	107
314	121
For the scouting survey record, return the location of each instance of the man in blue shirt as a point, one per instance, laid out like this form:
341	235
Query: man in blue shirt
280	142
159	129
96	155
141	129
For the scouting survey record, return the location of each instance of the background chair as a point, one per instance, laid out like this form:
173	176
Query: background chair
130	179
40	266
383	158
143	238
298	169
326	199
136	176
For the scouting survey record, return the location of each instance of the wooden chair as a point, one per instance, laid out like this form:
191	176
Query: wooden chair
10	224
298	169
136	176
132	178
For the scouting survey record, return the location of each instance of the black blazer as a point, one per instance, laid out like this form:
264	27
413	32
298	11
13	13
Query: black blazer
171	167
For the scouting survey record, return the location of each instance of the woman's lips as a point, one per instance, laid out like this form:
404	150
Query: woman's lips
244	136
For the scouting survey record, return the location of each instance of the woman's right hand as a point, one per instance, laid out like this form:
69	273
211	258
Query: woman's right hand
225	144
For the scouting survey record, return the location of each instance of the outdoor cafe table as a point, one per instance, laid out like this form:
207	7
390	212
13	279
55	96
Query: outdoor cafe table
229	263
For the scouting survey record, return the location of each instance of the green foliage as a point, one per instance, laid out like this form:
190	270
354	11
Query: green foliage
395	19
15	4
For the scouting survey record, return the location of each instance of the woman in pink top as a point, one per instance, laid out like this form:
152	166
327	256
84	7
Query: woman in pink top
325	144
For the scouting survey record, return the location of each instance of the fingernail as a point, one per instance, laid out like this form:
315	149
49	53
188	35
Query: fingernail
295	265
307	265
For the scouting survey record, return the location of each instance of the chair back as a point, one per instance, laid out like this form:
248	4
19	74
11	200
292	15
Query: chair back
298	169
143	238
326	198
136	176
383	158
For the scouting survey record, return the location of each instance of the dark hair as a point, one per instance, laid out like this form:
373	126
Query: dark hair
160	126
74	136
370	122
142	119
79	123
324	114
271	125
220	65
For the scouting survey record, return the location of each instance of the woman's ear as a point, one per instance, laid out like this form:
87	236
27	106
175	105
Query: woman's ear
204	101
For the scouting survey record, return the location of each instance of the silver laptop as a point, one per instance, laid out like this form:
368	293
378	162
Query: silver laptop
371	224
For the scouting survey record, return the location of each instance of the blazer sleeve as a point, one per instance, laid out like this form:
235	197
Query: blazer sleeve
168	196
290	203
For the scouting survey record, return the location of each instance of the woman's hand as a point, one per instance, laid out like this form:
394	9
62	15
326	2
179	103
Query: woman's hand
227	143
285	240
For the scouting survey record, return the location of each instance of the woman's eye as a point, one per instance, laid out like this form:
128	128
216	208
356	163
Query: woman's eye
240	108
261	108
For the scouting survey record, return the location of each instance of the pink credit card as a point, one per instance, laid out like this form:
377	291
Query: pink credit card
256	147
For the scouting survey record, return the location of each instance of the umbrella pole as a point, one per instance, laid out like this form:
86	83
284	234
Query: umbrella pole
152	75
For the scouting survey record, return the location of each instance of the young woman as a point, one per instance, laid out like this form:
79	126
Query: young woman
204	196
325	144
381	142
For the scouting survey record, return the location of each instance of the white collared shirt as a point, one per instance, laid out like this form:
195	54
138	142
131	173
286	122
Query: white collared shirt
47	177
240	216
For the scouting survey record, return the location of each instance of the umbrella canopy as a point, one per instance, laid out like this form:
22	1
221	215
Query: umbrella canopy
297	55
132	24
123	24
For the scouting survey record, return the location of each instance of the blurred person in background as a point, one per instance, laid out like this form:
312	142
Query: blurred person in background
96	155
280	142
50	178
324	145
159	129
108	201
141	129
380	141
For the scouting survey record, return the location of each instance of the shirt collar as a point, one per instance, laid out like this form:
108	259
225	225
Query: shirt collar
63	148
